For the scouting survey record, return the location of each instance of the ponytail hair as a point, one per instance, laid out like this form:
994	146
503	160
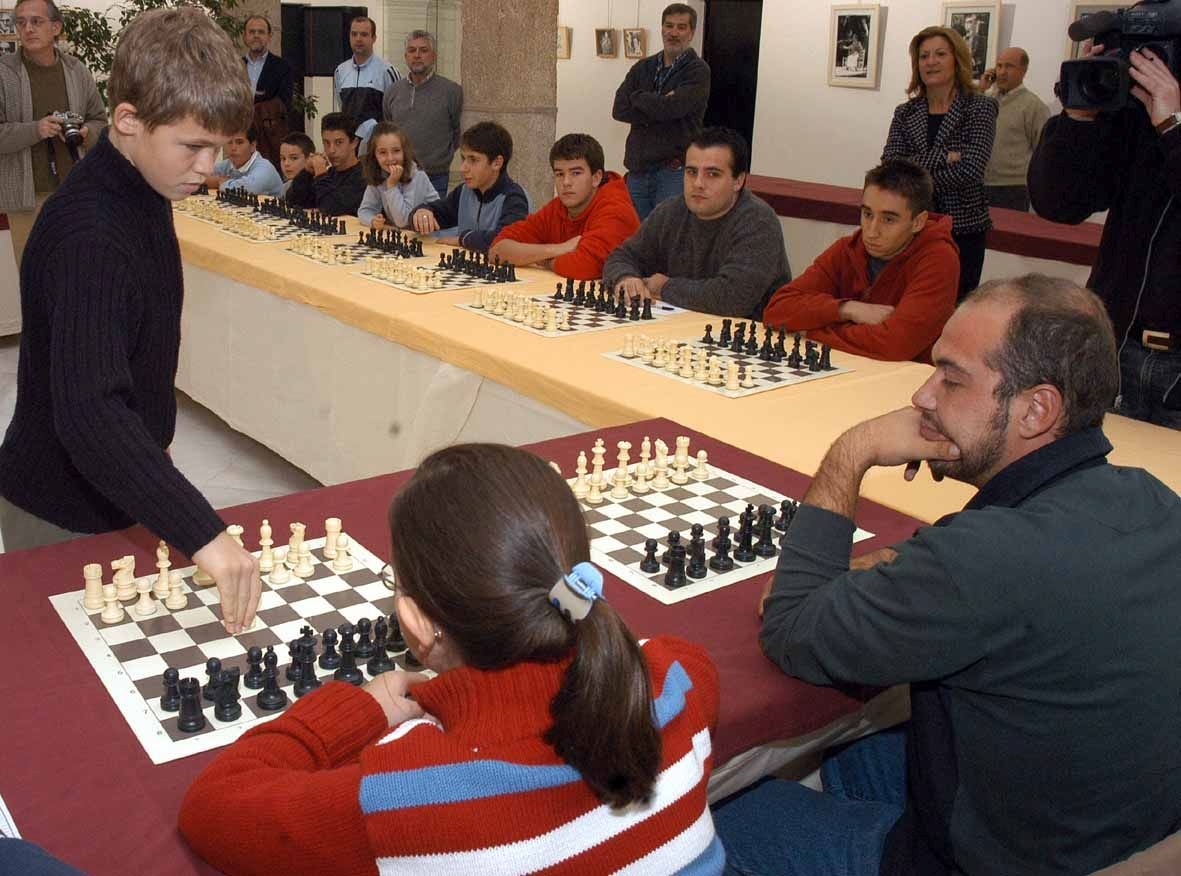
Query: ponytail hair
480	535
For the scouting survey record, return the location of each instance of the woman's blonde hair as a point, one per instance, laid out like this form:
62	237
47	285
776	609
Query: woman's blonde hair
959	49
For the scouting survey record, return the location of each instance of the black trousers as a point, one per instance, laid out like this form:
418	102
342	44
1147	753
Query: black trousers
971	260
1009	197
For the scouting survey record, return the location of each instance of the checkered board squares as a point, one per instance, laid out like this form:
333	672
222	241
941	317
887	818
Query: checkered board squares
130	656
619	529
347	254
582	319
766	375
449	280
284	230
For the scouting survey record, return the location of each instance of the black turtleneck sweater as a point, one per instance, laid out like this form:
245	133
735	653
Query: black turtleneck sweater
101	294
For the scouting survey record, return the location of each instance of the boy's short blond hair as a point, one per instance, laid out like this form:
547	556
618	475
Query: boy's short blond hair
176	63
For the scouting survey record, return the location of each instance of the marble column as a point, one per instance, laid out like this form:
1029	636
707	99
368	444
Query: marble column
509	74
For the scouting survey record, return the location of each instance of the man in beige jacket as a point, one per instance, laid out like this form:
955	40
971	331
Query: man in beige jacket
1018	128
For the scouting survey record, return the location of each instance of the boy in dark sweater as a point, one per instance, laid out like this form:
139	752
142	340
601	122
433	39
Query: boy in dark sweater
474	213
334	182
87	448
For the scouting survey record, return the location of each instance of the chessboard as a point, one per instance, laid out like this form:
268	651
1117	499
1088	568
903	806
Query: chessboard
421	279
545	316
131	655
328	253
620	527
685	360
240	222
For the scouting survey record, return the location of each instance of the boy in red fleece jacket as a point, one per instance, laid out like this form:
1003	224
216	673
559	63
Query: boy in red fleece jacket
573	234
884	291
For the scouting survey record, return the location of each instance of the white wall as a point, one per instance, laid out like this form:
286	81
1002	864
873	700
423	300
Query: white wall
806	130
587	84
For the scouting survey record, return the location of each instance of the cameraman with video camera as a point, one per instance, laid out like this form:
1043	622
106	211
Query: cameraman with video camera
1117	146
50	109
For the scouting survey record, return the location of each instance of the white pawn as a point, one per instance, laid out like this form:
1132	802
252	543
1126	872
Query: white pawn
92	575
748	379
629	347
581	487
732	376
640	479
266	559
235	531
679	465
595	495
202	578
619	482
686	369
672	358
176	597
699	366
701	473
112	610
551	320
160	588
145	606
343	562
280	574
303	567
331	535
713	372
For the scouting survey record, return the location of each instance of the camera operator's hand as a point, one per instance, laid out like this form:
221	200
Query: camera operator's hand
1089	50
988	80
1155	86
48	127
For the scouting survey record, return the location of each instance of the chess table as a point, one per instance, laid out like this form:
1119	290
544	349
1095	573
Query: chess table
74	775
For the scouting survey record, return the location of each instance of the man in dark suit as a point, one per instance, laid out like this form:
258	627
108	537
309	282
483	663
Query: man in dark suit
273	83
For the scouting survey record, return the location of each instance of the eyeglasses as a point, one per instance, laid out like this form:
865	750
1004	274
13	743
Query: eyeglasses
387	578
36	22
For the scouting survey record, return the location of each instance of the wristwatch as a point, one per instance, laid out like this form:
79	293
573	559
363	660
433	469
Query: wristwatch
1170	122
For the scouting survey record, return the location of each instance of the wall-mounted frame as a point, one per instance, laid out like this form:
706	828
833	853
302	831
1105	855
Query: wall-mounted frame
606	42
980	25
854	46
635	42
563	42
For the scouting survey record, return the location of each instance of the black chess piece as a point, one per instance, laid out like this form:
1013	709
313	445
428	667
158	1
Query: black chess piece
767	351
397	643
272	697
752	342
738	342
723	532
621	306
794	359
227	707
348	670
780	344
212	670
787	511
329	659
674	539
307	671
650	564
191	718
725	337
745	552
696	567
633	311
293	655
708	338
170	699
811	357
721	561
675	576
381	661
558	293
253	677
410	661
826	358
364	647
766	527
569	296
647	312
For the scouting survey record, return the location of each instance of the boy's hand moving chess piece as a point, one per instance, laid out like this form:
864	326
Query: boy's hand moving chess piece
236	574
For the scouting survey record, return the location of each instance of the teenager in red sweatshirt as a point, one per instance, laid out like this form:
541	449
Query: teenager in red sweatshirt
573	234
550	740
884	291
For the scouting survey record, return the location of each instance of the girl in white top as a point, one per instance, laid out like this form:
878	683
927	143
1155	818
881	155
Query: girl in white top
396	185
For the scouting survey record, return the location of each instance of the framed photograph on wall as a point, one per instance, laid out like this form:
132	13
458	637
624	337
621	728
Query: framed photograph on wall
635	42
980	25
7	25
563	42
854	42
1081	10
606	42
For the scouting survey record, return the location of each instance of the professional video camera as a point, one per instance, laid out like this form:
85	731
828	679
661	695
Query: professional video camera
1102	82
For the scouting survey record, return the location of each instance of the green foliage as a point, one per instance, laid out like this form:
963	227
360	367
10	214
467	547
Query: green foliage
304	103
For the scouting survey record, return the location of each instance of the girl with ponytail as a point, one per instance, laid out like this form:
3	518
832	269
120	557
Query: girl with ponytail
550	739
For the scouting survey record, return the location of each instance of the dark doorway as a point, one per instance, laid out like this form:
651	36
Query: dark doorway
315	40
730	45
295	52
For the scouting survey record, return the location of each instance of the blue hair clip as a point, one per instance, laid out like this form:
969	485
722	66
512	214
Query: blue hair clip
575	593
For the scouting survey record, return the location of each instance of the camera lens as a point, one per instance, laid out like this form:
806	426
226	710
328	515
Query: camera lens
1100	84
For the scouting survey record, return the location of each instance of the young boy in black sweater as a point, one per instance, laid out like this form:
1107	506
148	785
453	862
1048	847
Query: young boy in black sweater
333	183
101	292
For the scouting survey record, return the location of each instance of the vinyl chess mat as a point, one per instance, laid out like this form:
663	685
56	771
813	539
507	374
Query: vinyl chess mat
582	319
282	229
620	527
130	656
437	280
766	375
347	254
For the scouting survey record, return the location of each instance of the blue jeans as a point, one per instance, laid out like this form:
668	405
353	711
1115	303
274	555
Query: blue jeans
1150	385
21	856
439	181
780	828
649	187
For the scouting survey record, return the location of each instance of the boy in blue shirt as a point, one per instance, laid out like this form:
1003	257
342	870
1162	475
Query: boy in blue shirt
244	167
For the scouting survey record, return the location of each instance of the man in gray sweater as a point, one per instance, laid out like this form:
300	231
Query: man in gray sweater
427	107
717	249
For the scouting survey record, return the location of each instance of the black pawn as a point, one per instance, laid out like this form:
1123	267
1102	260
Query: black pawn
381	661
708	338
272	697
253	677
633	310
364	647
397	644
348	670
212	670
621	306
558	293
329	659
228	707
307	671
675	576
647	312
191	717
766	524
170	700
745	552
723	532
721	561
650	564
696	567
674	539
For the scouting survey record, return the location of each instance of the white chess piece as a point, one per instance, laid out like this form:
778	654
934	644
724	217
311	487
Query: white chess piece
701	472
660	482
293	543
551	320
619	481
640	479
234	531
682	453
732	376
92	575
163	564
145	606
478	301
303	567
594	496
679	465
645	455
686	369
266	559
124	578
331	535
343	562
580	486
748	379
629	347
597	465
672	357
112	610
280	574
713	373
176	597
699	366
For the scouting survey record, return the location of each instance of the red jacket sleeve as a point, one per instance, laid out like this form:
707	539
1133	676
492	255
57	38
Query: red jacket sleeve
932	281
611	225
531	229
284	797
810	301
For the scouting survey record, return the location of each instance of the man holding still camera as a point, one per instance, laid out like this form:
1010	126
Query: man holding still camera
34	153
1129	163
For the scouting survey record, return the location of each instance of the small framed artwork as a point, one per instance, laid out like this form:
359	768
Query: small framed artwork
563	42
606	43
635	41
980	25
854	41
8	44
1081	10
7	25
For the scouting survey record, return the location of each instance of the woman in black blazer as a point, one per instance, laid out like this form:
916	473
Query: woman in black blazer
948	127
